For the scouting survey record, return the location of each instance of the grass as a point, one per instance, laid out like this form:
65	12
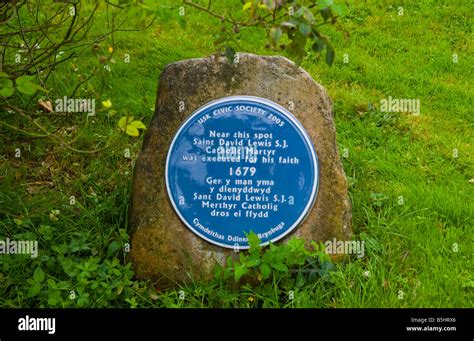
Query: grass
412	200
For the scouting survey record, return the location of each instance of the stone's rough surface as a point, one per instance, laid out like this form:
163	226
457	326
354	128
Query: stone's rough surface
163	248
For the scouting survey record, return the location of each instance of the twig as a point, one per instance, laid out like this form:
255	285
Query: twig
48	134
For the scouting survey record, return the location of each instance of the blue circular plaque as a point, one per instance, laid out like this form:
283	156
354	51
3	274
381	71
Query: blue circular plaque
241	164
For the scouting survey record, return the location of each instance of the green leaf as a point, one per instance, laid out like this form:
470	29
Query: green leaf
229	262
129	126
330	55
254	242
325	3
132	131
242	258
275	34
6	87
34	290
318	45
4	75
24	79
27	89
26	86
299	12
246	6
113	248
124	121
265	270
305	13
300	280
217	271
308	15
339	9
230	54
51	283
305	28
253	261
38	275
6	92
6	83
325	269
54	297
240	270
280	267
296	49
137	124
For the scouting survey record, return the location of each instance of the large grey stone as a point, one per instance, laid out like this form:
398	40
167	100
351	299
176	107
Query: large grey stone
162	247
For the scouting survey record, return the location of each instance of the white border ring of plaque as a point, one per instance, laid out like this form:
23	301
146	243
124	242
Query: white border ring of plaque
189	122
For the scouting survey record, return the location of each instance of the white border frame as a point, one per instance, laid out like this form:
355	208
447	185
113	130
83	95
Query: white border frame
301	129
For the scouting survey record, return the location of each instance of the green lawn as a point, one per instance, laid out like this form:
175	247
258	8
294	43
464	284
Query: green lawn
409	175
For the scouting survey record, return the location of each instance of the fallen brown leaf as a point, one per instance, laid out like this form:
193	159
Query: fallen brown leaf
45	105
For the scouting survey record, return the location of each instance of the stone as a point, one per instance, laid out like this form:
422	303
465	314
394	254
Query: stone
163	249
